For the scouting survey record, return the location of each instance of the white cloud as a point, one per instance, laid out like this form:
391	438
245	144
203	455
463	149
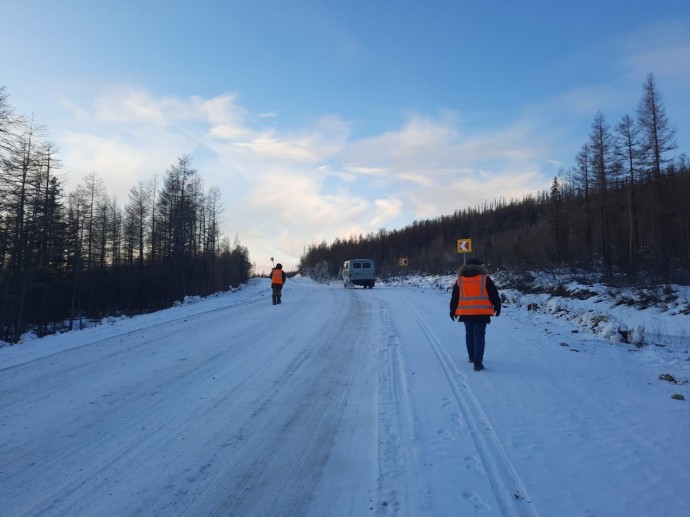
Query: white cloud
434	169
284	190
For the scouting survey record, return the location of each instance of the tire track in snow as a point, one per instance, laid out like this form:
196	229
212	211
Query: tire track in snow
401	491
507	486
288	438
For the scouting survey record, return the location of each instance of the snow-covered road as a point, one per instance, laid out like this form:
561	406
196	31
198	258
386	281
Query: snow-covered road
337	402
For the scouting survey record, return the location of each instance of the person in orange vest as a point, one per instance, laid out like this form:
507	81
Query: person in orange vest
475	299
277	282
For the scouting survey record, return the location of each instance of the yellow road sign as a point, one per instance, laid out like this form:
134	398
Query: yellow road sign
464	245
403	262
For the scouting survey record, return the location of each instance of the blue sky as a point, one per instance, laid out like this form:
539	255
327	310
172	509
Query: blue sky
320	119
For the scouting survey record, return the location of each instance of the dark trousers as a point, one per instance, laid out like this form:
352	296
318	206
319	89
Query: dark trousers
277	291
475	332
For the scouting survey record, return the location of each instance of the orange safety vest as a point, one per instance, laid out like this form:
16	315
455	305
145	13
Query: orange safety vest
474	298
277	276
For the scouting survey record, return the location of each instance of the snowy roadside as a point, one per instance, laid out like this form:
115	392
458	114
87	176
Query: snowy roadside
32	347
617	315
652	322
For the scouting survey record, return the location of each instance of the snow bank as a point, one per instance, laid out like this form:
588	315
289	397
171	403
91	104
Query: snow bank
639	316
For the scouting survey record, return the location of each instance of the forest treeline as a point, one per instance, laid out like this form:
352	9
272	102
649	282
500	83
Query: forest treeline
622	210
70	256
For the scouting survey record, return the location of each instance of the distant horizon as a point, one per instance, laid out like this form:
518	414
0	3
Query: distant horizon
321	121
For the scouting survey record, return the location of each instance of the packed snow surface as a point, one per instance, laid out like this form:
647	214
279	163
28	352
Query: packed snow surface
349	402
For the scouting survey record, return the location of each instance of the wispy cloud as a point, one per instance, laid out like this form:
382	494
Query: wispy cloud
662	47
285	189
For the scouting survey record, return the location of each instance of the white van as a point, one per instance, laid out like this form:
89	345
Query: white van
359	272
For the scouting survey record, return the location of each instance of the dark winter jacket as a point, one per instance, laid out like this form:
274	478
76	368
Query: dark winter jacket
474	270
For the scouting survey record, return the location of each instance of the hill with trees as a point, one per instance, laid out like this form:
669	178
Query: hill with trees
622	210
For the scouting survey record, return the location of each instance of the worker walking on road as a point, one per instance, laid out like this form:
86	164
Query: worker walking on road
277	282
475	299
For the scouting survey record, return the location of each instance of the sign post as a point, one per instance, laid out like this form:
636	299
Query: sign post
404	264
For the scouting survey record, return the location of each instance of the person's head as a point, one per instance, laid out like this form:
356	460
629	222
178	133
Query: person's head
279	266
472	264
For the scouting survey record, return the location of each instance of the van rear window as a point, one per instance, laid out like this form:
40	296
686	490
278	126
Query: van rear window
366	265
357	265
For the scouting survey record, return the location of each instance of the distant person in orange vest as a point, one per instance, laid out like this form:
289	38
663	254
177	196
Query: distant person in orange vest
277	282
475	299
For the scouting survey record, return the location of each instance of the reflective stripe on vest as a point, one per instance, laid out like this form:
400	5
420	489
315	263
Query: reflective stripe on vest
277	276
473	297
